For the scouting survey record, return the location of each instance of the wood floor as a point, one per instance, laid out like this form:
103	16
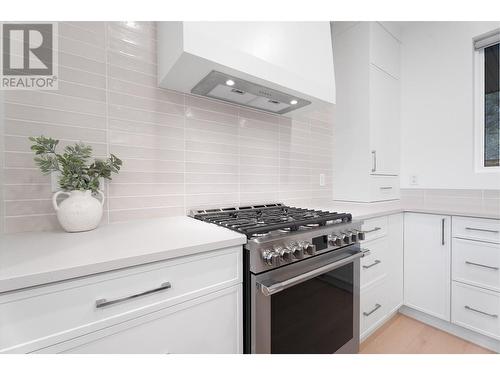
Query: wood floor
404	335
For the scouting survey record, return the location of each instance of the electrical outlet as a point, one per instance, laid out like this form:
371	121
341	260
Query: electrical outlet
414	179
321	179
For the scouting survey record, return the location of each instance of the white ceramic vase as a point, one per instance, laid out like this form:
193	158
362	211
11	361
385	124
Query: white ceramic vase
80	211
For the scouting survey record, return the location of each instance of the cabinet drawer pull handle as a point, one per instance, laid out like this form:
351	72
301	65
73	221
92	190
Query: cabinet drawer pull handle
374	161
104	302
385	187
480	312
442	231
377	306
373	264
482	230
372	230
481	265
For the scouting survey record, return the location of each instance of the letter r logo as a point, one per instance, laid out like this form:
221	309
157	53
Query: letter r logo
27	49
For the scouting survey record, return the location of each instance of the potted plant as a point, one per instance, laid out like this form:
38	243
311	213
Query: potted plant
79	180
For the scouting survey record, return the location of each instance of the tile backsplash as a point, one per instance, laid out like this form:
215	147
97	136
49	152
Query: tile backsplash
454	200
179	151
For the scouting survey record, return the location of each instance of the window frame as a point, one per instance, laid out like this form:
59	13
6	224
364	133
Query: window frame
479	123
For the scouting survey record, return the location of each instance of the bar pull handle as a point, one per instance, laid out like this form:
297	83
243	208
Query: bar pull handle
482	230
373	264
105	302
374	161
377	306
385	187
480	312
372	230
481	265
442	231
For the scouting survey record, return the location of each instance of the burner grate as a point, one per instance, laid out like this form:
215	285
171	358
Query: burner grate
259	220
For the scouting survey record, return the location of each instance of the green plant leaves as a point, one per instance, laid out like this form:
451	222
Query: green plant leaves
78	170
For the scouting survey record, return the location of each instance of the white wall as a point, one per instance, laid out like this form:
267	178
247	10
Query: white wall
437	106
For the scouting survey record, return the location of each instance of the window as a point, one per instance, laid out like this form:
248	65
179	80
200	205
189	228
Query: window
487	102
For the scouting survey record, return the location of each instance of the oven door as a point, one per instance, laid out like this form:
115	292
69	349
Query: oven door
308	307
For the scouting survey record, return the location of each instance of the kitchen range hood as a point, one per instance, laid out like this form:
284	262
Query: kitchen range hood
277	67
222	86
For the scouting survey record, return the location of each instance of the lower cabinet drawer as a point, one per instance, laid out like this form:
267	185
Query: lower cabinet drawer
476	228
208	324
374	228
384	188
373	266
373	307
476	309
476	263
38	317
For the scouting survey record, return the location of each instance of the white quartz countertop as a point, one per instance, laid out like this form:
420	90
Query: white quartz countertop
361	211
29	259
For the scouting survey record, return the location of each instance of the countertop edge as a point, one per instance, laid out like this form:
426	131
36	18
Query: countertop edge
44	278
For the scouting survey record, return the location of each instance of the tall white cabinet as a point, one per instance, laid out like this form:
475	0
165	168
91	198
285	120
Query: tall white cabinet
427	254
367	112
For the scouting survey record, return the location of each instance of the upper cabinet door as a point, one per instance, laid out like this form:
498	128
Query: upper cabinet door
384	123
427	253
384	51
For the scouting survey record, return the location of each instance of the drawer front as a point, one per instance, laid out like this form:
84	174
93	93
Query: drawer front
476	229
373	307
374	228
384	188
374	265
42	316
208	324
476	309
476	263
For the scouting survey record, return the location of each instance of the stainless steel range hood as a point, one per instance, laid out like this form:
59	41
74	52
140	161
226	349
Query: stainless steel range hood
225	87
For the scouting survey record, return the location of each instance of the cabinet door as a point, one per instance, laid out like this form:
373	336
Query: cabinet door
384	50
395	261
208	324
384	122
427	263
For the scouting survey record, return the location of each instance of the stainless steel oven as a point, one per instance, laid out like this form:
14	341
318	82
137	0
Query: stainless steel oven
300	277
308	307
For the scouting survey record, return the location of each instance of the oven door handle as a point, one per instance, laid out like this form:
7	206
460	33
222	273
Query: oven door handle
269	290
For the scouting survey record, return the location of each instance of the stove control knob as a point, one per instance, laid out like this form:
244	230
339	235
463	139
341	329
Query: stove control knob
286	253
298	250
334	240
309	248
361	236
346	238
271	258
354	237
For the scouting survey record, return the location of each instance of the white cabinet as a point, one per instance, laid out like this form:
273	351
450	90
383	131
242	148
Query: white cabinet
381	272
476	275
367	114
427	263
384	122
146	298
384	51
208	324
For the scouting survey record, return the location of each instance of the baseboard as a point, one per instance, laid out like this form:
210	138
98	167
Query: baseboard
379	324
463	333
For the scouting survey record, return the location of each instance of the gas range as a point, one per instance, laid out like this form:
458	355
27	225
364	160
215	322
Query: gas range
300	277
278	234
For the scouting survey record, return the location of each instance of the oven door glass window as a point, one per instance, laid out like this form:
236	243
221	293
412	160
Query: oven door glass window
315	316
